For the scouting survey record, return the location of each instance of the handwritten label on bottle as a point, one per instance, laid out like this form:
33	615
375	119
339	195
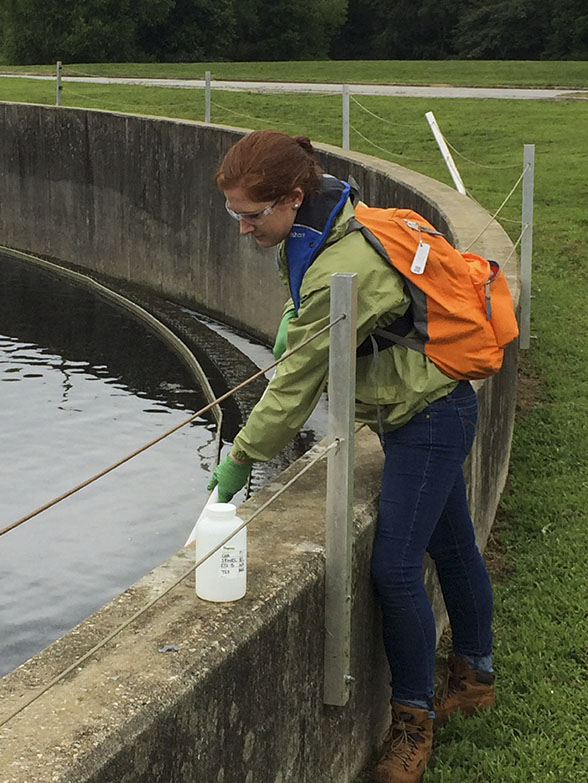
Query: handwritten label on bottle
232	562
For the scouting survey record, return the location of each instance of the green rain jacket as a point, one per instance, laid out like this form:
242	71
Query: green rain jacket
400	382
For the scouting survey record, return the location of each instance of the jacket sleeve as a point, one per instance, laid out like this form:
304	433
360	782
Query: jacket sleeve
295	389
300	379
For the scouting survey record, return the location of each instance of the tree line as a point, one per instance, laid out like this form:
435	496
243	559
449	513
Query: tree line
43	31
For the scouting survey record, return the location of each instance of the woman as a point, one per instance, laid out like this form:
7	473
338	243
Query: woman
275	189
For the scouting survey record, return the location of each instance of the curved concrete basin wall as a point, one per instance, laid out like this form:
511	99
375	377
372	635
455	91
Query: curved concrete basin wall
240	699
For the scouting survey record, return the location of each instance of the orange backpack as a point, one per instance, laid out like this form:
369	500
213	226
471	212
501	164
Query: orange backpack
461	307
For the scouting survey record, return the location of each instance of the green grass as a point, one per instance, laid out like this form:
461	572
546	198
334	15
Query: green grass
457	72
159	101
538	731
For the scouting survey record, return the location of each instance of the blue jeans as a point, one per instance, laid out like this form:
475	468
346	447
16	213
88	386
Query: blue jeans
423	507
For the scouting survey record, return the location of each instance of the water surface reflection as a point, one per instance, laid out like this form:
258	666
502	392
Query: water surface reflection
81	385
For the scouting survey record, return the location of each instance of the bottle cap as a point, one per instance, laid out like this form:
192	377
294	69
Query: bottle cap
222	510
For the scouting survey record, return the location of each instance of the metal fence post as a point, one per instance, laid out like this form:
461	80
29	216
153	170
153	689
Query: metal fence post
207	96
345	117
58	86
527	245
339	514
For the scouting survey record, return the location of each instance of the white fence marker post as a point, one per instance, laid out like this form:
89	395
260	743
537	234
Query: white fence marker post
445	152
527	245
58	87
207	97
345	117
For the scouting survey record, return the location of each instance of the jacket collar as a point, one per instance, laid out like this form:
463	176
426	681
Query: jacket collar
310	231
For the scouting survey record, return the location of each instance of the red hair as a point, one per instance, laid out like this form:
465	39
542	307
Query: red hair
268	164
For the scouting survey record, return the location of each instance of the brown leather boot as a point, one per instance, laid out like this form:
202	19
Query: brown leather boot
467	690
408	746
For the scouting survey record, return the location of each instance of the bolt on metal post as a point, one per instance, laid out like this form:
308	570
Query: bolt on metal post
58	85
339	514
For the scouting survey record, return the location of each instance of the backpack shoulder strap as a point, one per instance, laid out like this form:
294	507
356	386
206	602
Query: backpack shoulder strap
355	225
396	333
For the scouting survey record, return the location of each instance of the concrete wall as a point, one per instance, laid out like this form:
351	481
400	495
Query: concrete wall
240	700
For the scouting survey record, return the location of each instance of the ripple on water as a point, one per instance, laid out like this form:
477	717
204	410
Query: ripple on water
82	385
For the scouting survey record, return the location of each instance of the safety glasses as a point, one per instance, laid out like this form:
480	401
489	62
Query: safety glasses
253	217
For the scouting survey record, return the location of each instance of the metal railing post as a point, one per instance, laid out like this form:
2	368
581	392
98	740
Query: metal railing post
339	514
58	85
345	117
527	245
207	97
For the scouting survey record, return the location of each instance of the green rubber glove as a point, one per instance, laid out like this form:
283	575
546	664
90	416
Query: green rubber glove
230	477
282	335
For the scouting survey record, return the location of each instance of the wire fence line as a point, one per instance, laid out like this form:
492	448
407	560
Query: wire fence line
442	140
366	139
382	149
475	163
75	72
383	119
415	126
85	97
499	218
343	296
505	219
470	195
495	216
242	114
410	126
323	452
402	157
500	208
457	152
515	245
169	432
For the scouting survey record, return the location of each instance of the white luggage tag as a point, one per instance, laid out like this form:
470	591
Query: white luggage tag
419	261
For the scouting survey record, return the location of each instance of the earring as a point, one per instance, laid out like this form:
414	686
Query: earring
296	206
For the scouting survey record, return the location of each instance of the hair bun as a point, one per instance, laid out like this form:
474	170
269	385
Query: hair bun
269	163
306	144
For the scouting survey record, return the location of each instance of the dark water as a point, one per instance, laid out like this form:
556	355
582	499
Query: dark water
312	432
81	385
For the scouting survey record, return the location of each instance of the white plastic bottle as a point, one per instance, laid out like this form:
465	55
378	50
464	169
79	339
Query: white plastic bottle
223	577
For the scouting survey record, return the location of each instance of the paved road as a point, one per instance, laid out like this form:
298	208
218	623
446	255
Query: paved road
359	89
